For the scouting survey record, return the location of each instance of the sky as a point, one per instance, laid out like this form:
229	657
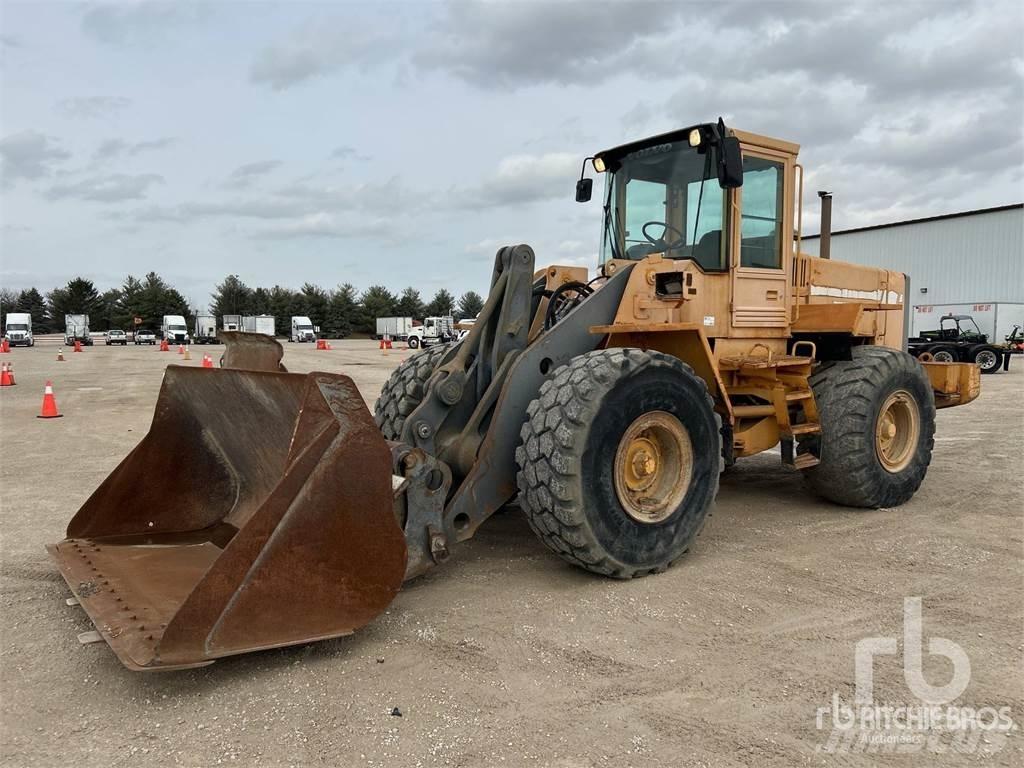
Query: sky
403	143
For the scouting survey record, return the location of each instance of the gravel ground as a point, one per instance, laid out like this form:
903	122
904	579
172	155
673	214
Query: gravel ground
506	655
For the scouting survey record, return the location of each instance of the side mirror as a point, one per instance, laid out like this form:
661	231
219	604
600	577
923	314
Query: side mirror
730	163
584	190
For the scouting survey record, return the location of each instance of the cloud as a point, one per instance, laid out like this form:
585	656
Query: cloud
29	155
511	45
10	41
324	46
113	188
326	225
523	179
296	211
485	250
245	175
112	149
93	106
348	153
126	23
899	113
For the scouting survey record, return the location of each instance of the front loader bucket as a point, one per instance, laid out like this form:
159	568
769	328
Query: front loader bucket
258	512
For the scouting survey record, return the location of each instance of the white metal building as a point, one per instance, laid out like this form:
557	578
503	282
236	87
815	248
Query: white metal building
969	263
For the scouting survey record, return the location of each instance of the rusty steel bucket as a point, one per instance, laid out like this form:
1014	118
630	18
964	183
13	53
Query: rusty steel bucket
256	513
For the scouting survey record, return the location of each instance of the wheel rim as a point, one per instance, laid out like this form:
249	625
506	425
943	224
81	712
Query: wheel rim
986	358
942	356
653	467
897	431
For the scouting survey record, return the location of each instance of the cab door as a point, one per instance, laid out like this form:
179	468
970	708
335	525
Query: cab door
762	236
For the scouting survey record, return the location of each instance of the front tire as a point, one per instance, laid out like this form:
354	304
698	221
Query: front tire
619	461
877	414
404	390
414	343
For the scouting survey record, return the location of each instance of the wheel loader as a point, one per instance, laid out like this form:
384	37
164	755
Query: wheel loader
607	405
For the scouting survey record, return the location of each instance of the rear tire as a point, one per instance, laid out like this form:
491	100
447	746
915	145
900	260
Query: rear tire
877	414
943	354
404	391
597	417
414	343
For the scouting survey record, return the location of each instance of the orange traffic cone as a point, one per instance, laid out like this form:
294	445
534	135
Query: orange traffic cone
49	410
164	346
60	355
5	376
321	344
10	373
328	345
78	346
5	346
181	349
207	361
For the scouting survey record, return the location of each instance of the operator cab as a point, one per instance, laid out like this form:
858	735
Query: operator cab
670	194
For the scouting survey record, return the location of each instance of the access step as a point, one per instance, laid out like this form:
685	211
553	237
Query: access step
805	429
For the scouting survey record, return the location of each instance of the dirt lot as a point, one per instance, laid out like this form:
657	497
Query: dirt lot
508	656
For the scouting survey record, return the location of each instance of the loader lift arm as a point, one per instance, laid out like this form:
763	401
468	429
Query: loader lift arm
475	405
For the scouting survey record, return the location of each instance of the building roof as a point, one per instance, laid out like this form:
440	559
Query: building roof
961	214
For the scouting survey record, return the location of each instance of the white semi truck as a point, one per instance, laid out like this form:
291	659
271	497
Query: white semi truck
175	329
19	329
76	328
259	324
302	329
205	330
231	322
435	330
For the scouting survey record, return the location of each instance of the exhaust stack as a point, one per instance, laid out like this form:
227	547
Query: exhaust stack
825	244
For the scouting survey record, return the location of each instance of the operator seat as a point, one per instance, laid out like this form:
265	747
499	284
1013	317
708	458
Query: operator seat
708	251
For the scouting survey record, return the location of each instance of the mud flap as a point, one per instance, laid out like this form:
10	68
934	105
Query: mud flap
257	512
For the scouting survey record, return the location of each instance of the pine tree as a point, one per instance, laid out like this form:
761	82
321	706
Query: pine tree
315	301
8	303
376	301
342	312
470	305
410	304
107	317
442	304
32	302
78	297
284	303
130	305
231	297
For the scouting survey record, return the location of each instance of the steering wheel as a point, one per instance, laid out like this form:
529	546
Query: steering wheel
666	229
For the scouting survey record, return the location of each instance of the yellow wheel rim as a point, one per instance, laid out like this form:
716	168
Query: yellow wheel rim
653	467
897	431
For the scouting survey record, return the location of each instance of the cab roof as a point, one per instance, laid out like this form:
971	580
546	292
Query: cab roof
708	132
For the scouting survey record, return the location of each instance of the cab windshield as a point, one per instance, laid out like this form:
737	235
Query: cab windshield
665	199
176	327
17	327
304	327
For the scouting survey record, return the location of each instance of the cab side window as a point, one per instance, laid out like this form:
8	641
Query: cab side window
761	227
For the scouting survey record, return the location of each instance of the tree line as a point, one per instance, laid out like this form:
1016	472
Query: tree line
339	312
